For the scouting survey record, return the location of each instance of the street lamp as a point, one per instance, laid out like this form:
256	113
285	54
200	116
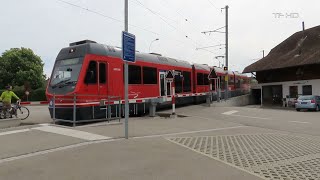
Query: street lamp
152	42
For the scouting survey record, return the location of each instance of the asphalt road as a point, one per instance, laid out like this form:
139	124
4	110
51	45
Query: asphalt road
209	143
38	115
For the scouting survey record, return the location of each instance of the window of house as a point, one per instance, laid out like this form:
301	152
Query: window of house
102	73
178	82
293	91
91	76
149	75
186	81
307	90
134	74
200	79
205	79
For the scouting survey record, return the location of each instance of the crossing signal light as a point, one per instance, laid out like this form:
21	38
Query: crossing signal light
225	68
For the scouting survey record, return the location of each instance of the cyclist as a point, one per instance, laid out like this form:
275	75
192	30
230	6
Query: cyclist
6	97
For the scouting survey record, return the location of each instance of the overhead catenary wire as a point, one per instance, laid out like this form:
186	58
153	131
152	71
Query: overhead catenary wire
119	21
213	5
152	11
103	15
157	14
195	44
184	18
175	28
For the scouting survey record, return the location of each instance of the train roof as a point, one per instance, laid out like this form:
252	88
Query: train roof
82	48
204	67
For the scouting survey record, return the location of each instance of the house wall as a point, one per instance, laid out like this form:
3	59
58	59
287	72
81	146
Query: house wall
286	85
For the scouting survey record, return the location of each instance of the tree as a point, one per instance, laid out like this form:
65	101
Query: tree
20	66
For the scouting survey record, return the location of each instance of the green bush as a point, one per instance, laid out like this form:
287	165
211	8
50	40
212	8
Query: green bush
19	91
38	95
34	95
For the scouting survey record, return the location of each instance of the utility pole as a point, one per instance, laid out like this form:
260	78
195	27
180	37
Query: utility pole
227	55
126	103
227	48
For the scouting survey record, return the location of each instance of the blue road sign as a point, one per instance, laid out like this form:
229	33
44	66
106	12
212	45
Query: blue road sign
128	47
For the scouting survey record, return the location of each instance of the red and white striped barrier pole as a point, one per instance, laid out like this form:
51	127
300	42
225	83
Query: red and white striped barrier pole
173	97
34	103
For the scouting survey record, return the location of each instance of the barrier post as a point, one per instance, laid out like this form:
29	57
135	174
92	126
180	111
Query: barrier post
74	109
219	89
54	108
208	99
109	109
119	108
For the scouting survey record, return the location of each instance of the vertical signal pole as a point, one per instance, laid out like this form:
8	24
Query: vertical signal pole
227	55
126	106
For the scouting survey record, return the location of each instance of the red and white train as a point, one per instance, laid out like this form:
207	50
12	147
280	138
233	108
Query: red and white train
87	72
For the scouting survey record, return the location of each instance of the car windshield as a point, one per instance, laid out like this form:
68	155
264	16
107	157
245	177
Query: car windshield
306	98
66	71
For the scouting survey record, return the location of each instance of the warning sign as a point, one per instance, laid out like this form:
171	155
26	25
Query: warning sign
169	76
212	74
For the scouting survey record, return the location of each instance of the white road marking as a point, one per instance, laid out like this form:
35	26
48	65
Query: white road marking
71	132
253	117
44	124
301	122
14	132
230	112
53	150
102	124
188	132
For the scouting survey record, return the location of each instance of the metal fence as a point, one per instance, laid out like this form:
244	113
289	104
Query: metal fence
110	106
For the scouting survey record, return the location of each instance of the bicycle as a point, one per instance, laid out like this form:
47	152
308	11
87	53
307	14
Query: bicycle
17	110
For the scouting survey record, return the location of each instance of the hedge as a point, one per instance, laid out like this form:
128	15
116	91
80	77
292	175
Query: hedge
34	95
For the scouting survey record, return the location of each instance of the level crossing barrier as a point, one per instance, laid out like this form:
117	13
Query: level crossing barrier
74	102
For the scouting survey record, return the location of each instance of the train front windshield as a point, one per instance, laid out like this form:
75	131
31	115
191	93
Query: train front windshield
65	73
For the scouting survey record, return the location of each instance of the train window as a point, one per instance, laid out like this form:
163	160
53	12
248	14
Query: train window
205	79
91	76
178	82
134	74
186	81
149	75
199	78
102	73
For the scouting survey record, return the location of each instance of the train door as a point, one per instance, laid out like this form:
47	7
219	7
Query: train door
103	74
165	86
91	79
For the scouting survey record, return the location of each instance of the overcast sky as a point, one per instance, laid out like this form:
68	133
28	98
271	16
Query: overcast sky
46	26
